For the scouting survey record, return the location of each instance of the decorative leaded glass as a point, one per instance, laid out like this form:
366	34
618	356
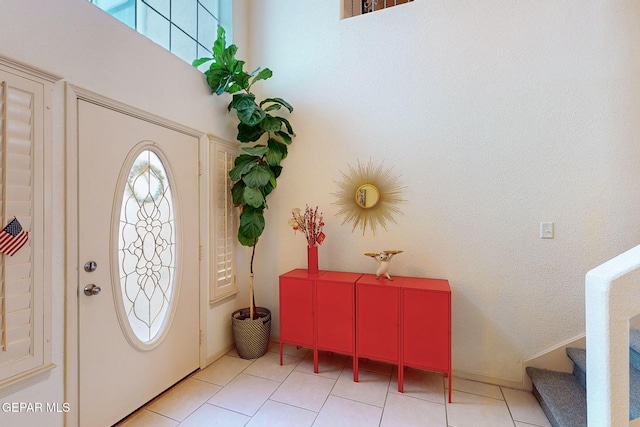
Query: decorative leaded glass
147	247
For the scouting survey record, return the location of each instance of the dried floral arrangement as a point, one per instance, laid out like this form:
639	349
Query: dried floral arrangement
310	223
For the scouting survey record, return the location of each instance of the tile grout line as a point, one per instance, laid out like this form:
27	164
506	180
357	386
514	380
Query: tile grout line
513	421
276	389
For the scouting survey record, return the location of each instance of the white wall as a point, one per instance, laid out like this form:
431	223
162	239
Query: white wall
497	115
90	49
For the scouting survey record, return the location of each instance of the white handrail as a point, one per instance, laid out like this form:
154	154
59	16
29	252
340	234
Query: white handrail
612	297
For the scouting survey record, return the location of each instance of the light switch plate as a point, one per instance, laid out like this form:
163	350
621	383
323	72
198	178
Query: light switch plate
546	230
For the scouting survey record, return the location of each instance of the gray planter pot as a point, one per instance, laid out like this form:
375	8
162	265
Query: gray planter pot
251	336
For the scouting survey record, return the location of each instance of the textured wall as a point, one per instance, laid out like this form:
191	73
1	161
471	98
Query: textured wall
497	115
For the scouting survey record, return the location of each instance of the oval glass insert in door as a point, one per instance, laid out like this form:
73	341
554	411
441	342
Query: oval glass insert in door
146	251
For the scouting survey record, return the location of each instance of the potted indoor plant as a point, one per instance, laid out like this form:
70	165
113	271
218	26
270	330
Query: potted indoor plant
264	137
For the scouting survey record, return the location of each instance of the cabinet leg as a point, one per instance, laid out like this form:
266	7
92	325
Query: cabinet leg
355	369
401	378
315	360
449	375
281	353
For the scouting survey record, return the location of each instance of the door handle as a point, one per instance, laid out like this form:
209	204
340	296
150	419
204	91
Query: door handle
91	290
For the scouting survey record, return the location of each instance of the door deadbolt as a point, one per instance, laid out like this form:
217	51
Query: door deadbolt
91	290
90	266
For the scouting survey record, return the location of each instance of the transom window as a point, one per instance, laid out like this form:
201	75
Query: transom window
360	7
187	28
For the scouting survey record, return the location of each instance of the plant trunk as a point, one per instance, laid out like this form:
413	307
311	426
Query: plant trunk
251	296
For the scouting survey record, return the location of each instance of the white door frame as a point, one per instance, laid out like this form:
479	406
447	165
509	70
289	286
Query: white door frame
71	347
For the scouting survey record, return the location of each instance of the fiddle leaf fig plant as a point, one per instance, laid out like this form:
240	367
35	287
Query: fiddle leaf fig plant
265	134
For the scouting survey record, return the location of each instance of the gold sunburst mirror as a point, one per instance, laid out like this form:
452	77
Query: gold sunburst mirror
368	196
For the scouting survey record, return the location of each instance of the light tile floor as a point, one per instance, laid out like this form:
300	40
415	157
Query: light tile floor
237	392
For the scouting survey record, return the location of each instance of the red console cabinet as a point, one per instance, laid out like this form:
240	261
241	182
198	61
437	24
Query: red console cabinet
378	319
404	321
426	326
297	295
335	315
336	311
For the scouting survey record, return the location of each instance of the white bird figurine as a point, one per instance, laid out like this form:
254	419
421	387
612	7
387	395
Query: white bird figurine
384	259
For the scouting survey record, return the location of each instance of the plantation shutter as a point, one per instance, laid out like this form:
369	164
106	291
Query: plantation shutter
25	348
223	276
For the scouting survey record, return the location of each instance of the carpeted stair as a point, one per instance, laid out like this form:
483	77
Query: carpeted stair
563	396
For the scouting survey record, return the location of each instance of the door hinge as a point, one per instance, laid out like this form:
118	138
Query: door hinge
199	168
200	252
201	337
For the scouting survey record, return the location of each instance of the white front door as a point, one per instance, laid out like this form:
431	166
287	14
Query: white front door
138	298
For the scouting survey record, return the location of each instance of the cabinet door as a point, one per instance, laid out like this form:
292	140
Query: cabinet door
378	322
335	316
296	311
426	328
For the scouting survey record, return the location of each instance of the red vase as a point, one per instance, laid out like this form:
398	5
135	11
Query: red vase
312	259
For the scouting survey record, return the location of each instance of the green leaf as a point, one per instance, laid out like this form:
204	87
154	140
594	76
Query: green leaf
217	78
198	62
270	123
243	164
246	242
251	116
277	152
257	176
276	170
253	197
237	193
280	101
285	137
256	150
267	189
262	75
242	101
287	125
248	133
247	110
273	107
251	225
241	80
233	87
220	43
229	58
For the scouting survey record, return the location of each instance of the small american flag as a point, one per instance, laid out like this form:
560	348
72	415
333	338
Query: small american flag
12	237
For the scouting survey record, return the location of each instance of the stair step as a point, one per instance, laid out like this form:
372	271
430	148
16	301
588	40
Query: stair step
561	397
579	358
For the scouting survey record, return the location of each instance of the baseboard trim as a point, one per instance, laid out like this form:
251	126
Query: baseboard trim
219	354
485	379
554	358
272	341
